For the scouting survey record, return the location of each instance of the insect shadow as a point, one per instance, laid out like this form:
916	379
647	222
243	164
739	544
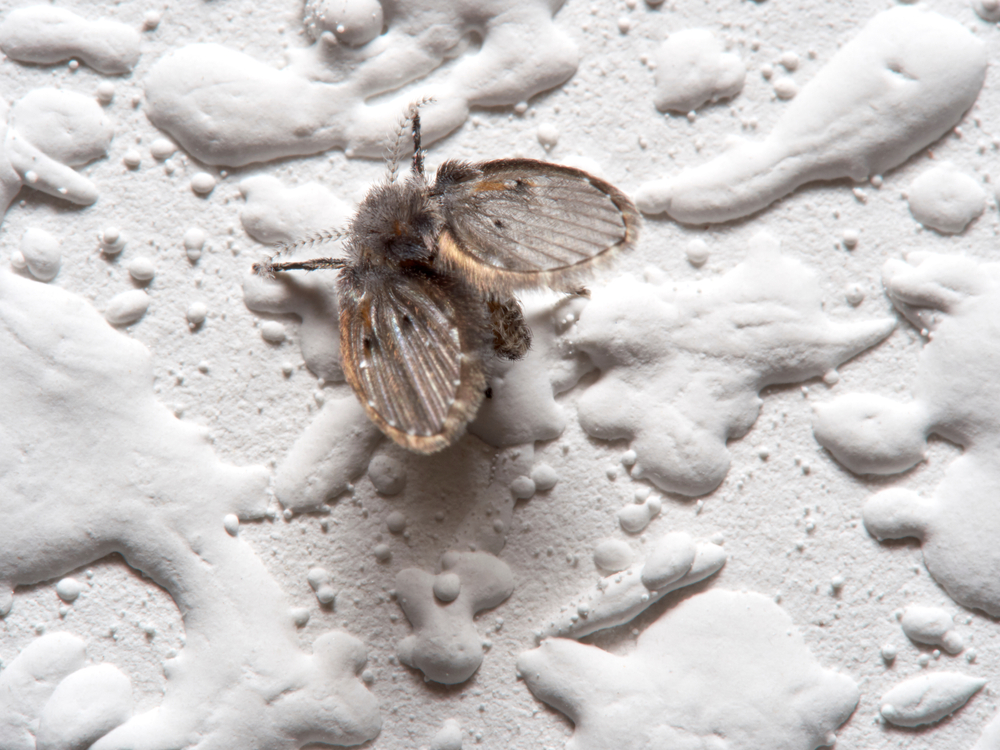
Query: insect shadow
427	284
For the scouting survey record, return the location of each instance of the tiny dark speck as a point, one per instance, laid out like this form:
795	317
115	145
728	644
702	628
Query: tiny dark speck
498	224
489	392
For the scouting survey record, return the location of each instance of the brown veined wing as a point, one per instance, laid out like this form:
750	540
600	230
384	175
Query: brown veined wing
411	347
515	223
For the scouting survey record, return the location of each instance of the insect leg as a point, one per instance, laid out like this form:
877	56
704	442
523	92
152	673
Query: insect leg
511	335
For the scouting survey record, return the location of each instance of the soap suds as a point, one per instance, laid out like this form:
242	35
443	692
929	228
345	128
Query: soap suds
445	644
955	300
44	35
928	698
122	474
720	664
946	198
46	133
42	253
899	85
675	561
226	107
692	69
682	364
932	625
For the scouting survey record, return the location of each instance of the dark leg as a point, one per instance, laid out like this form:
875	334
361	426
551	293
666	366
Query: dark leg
511	335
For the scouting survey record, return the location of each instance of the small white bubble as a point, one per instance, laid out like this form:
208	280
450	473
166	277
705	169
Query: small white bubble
141	269
697	252
105	92
382	553
132	158
231	523
785	87
789	61
126	308
112	241
272	332
196	313
447	586
68	589
854	294
162	149
548	135
396	522
544	477
203	183
151	20
522	488
387	475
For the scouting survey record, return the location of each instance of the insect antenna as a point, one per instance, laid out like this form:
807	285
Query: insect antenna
268	267
395	151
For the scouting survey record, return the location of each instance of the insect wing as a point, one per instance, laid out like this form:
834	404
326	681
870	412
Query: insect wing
411	350
515	223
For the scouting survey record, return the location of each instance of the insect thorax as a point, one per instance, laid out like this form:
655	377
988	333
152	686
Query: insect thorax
397	222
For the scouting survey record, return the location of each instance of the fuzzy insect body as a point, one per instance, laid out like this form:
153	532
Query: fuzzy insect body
427	284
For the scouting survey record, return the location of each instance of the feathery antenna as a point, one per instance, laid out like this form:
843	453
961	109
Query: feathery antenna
395	151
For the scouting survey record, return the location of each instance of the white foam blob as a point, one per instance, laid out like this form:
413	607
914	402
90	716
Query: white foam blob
126	308
544	477
321	583
112	241
928	698
42	253
548	135
687	334
52	130
168	530
273	332
448	737
622	596
203	183
45	34
196	313
613	555
932	625
141	269
387	474
713	654
522	488
396	522
226	107
946	198
899	85
692	68
68	589
105	92
162	148
84	707
445	645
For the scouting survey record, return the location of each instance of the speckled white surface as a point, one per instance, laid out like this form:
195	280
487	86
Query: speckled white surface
195	510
